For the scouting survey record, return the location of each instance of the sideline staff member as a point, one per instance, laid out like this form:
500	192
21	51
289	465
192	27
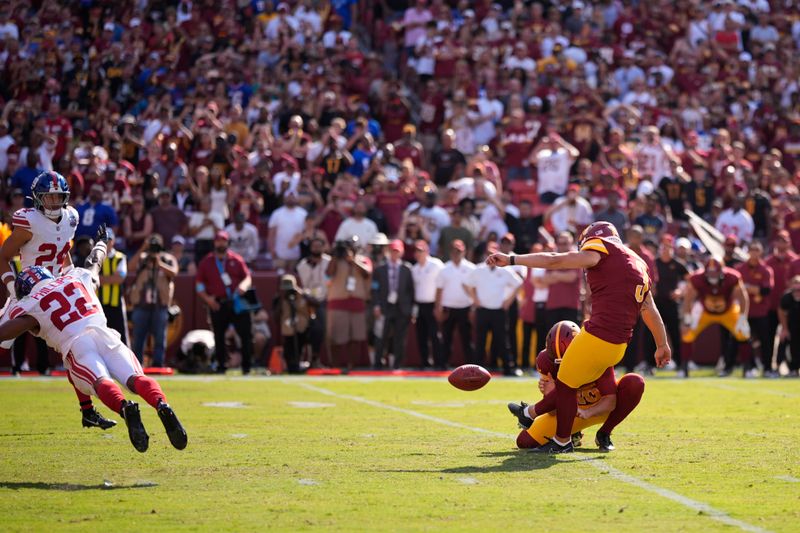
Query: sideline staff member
223	276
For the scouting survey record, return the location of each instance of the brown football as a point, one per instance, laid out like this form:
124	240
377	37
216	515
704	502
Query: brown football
469	377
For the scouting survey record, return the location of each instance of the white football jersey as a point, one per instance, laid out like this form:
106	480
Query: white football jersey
50	242
652	161
64	307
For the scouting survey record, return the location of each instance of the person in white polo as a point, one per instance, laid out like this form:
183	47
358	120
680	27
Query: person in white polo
453	302
493	290
425	272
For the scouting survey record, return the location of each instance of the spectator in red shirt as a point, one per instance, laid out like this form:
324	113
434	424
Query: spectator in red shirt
791	223
222	280
517	141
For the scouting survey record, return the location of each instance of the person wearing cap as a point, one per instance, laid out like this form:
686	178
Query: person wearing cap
186	264
311	274
292	311
150	296
244	237
493	290
203	226
168	219
392	301
453	303
113	272
408	147
425	271
222	277
731	257
672	273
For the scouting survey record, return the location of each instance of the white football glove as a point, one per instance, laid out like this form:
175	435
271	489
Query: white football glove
742	327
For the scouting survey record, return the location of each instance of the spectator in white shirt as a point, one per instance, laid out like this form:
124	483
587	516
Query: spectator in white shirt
414	21
736	221
284	224
203	226
425	271
453	303
357	225
493	290
764	32
570	213
244	237
553	157
311	273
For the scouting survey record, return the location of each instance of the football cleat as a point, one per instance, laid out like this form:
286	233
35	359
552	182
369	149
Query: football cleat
603	441
553	447
577	439
175	432
90	418
133	419
518	410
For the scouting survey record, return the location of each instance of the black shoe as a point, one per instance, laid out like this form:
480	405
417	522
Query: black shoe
577	439
553	447
90	418
603	441
175	432
133	419
518	410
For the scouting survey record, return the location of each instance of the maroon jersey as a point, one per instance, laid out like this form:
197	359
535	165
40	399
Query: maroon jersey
716	299
781	267
588	393
758	280
791	222
619	283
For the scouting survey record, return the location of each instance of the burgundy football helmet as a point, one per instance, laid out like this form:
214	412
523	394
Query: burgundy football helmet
600	229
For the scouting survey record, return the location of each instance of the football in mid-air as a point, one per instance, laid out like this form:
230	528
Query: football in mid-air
469	377
559	338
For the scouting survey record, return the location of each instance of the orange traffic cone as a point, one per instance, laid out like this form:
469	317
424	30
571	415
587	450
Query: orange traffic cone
276	363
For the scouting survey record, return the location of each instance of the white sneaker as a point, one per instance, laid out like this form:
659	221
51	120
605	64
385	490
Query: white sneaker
681	374
750	374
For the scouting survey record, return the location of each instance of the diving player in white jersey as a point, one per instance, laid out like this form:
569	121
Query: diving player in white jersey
67	313
42	236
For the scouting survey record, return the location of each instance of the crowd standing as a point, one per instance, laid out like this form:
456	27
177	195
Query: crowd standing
376	151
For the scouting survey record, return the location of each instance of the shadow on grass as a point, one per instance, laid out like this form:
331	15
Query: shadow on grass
516	461
70	487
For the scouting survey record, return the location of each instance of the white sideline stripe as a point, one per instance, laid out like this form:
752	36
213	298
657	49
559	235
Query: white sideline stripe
694	505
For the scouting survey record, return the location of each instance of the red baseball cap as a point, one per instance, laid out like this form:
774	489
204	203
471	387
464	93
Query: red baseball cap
731	239
574	187
222	235
397	245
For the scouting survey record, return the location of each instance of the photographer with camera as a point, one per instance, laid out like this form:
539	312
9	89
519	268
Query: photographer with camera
292	311
151	295
222	279
350	276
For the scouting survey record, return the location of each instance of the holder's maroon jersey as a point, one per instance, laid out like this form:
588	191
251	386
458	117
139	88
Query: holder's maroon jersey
716	299
619	283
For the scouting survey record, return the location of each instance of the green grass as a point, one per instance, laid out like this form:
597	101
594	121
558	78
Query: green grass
727	443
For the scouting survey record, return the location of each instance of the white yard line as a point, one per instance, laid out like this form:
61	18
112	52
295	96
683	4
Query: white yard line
694	505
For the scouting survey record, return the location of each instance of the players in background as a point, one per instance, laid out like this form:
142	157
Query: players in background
722	300
669	288
620	283
42	236
112	277
66	312
759	282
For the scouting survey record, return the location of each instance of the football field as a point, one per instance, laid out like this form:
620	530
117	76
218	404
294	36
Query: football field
362	454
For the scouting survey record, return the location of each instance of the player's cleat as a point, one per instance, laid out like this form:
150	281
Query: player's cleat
175	432
518	410
577	439
133	419
90	418
603	441
553	447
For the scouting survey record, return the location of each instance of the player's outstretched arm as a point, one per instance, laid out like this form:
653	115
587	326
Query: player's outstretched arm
17	326
94	262
548	260
652	319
